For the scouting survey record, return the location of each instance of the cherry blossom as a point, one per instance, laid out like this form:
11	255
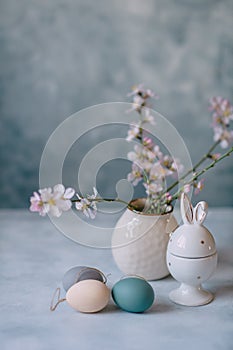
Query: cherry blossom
215	156
141	91
222	110
141	98
199	186
153	188
224	136
136	89
87	205
158	154
158	172
222	114
187	188
149	164
52	201
168	196
148	143
148	117
142	156
136	175
133	132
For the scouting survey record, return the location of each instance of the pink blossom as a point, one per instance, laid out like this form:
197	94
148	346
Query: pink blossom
140	90
187	188
148	143
141	96
168	196
52	201
222	115
36	203
222	110
215	156
199	186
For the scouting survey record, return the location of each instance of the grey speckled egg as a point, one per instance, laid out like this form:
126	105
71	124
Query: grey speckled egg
80	273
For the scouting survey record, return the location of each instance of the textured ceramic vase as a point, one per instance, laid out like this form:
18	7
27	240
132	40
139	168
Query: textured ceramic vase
139	242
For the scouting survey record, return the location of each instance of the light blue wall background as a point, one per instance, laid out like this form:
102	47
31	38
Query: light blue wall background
59	56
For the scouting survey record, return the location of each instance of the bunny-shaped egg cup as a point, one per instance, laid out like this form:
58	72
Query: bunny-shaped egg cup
191	255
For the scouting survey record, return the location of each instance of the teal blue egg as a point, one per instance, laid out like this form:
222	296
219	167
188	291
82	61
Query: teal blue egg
133	294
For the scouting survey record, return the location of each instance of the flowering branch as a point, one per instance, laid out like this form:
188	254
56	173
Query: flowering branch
56	201
196	166
109	200
160	166
149	165
201	172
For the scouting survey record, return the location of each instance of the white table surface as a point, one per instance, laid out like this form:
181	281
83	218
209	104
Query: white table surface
33	259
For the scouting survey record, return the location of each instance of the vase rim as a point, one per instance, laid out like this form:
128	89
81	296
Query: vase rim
141	205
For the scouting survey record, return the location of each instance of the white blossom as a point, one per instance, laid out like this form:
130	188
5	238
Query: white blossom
52	201
224	136
136	175
133	132
87	205
153	188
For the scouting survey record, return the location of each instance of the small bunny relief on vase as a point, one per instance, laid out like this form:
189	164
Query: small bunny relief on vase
191	255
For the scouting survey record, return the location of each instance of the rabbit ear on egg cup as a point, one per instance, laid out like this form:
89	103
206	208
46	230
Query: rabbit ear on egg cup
191	255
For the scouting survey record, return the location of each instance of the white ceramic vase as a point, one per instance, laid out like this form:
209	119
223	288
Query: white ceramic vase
139	242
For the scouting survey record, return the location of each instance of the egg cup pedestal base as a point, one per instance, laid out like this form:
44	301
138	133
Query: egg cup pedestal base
190	295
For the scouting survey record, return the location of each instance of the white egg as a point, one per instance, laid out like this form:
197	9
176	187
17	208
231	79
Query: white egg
88	296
